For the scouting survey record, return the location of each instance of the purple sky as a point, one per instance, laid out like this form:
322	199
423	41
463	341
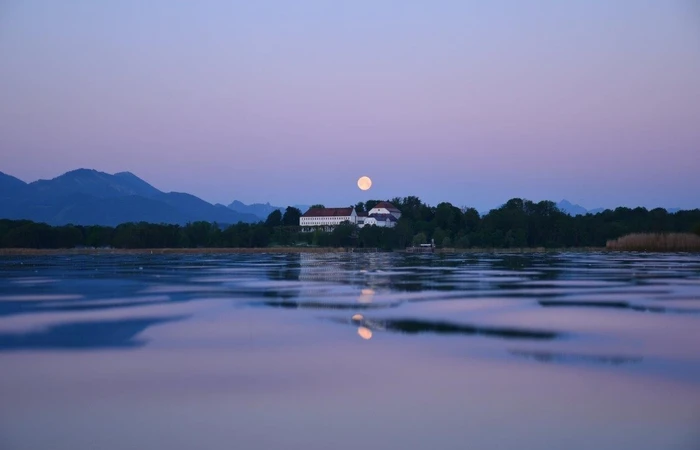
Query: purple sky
471	102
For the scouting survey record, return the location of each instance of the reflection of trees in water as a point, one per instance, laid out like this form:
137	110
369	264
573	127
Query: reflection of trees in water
569	358
418	326
288	268
434	272
335	268
379	271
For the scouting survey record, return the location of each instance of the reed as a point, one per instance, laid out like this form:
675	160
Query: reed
656	242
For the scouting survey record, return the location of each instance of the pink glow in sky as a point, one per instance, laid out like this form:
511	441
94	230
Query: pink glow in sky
464	101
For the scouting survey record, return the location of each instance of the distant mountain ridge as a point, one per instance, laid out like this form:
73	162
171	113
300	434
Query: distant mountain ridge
571	209
94	183
10	185
577	210
261	210
90	197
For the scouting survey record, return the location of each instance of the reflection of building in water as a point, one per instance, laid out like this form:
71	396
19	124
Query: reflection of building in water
357	269
326	267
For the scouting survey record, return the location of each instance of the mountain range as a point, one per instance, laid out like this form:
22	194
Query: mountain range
261	210
89	197
578	210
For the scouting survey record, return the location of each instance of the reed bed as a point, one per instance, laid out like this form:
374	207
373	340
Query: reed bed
656	242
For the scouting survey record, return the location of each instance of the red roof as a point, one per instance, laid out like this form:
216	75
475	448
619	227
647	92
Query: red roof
328	212
388	206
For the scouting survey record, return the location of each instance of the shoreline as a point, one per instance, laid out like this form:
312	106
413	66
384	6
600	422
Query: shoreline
277	250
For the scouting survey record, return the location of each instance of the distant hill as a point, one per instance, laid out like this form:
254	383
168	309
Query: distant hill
571	209
10	186
576	210
89	197
261	210
138	186
196	207
94	183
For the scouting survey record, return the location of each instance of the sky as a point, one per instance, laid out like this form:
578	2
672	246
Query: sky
471	102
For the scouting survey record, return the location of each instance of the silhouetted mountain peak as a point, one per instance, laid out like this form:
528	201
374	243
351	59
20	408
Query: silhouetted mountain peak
261	210
90	197
79	172
145	188
11	186
570	208
96	184
6	178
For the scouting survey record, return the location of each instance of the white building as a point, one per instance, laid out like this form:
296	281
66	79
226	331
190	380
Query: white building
385	208
327	218
379	220
384	214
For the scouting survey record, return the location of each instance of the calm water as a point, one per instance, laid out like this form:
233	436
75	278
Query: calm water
343	351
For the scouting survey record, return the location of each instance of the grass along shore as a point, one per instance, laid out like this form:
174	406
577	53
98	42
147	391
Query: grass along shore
656	242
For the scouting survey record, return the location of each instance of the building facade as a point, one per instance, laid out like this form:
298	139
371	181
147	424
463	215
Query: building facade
384	214
379	220
385	208
326	218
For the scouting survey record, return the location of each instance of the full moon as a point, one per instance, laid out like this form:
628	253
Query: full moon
364	183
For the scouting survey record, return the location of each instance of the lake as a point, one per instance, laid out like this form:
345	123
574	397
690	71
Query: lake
348	351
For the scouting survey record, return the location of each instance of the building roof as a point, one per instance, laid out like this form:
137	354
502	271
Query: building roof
388	206
328	212
383	217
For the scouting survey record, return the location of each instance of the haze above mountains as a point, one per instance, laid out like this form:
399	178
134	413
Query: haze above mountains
89	197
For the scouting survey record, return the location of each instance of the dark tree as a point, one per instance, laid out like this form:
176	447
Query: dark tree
471	219
517	223
344	235
274	219
369	204
291	217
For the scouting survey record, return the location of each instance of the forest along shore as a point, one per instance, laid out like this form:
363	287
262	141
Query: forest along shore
516	224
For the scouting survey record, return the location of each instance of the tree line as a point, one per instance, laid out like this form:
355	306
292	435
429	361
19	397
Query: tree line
516	224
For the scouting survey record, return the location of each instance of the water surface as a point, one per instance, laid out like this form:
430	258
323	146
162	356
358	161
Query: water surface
346	351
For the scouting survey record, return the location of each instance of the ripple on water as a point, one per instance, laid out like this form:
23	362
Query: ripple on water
39	297
569	298
555	344
31	281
